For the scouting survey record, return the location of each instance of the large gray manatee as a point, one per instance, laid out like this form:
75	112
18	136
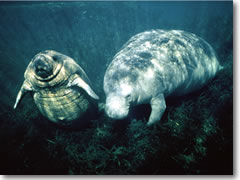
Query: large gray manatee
57	83
154	65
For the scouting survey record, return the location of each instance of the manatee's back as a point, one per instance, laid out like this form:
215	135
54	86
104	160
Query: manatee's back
188	61
176	59
182	61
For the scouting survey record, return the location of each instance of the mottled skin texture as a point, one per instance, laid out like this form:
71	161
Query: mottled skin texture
153	65
57	83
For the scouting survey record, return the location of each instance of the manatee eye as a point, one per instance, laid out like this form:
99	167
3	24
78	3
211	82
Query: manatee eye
55	58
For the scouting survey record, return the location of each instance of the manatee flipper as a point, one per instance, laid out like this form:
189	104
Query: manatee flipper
82	84
158	106
26	87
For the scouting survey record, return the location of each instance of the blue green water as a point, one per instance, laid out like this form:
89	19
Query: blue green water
195	135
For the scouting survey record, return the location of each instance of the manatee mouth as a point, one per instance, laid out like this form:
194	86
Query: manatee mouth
117	107
42	67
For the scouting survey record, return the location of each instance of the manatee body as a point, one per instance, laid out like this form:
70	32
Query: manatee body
59	86
153	65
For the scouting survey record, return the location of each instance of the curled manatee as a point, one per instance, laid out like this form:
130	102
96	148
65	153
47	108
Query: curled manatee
59	86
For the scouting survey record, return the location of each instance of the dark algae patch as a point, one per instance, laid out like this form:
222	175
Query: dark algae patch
195	134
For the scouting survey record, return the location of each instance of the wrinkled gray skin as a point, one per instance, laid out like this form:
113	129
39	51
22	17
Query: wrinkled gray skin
153	65
56	81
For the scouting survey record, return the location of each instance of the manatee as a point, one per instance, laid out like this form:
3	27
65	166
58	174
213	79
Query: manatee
60	87
154	65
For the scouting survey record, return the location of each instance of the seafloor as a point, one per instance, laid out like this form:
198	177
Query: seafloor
195	135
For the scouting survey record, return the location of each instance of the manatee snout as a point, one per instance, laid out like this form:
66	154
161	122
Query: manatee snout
42	66
116	107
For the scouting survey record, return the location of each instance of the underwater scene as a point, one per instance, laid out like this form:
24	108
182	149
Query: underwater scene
116	88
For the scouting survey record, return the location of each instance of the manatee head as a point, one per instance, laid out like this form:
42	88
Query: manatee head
43	67
117	107
45	64
118	101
